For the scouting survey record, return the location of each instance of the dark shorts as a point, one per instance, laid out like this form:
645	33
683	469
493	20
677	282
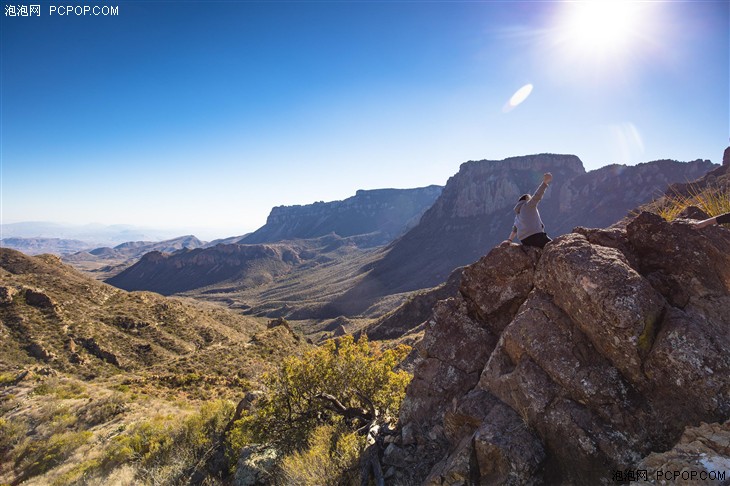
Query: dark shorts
538	239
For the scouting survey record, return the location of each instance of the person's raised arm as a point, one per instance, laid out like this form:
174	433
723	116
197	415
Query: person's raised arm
546	179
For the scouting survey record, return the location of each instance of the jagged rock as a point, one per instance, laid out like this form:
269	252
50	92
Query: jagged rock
279	321
38	299
610	302
339	331
39	351
394	455
7	294
682	263
591	354
474	213
496	285
693	212
454	350
701	456
254	464
93	348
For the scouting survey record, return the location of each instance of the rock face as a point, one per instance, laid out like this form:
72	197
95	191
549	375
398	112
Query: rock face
702	456
475	212
382	213
566	364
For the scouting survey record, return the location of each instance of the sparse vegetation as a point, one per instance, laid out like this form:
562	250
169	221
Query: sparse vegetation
331	457
711	200
80	419
166	450
40	455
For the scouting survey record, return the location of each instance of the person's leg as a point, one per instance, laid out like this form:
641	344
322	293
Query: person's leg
538	239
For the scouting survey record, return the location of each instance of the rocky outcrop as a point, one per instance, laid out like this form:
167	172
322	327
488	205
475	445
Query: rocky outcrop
382	213
475	212
701	456
566	364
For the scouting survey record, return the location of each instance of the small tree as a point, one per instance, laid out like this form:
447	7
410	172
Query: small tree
343	382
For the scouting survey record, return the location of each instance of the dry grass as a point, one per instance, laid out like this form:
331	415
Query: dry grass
711	200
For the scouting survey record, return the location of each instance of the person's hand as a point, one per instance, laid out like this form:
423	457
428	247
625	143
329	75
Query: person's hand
506	243
704	223
547	178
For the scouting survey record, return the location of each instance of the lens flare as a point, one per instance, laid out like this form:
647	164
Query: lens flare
517	98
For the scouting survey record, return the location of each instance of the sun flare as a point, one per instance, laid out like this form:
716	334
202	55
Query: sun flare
601	27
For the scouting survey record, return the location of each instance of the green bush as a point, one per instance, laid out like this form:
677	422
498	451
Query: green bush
352	372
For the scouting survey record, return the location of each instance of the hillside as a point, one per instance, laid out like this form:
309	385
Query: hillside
82	362
474	213
564	365
105	262
226	268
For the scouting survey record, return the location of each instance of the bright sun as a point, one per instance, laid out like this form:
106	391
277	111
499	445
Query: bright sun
601	27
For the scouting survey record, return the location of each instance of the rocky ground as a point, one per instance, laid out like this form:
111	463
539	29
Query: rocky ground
568	364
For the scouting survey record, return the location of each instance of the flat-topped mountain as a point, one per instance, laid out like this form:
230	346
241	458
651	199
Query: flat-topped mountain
384	214
475	213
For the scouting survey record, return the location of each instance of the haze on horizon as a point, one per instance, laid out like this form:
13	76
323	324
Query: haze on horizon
208	114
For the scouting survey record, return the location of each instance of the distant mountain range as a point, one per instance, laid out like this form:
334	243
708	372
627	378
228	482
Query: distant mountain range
469	216
105	261
317	233
37	246
475	212
33	238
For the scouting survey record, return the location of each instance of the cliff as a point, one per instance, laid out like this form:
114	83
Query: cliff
382	213
565	365
475	212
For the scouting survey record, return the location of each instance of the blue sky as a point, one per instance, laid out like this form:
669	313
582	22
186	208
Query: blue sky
204	115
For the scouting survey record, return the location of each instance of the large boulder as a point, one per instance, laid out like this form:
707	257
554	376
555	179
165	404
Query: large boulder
567	364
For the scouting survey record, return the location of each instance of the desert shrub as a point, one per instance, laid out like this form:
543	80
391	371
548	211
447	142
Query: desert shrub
166	449
140	442
11	432
357	374
7	378
77	473
36	457
102	410
331	458
61	388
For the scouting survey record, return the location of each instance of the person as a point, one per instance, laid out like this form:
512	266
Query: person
721	219
528	226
